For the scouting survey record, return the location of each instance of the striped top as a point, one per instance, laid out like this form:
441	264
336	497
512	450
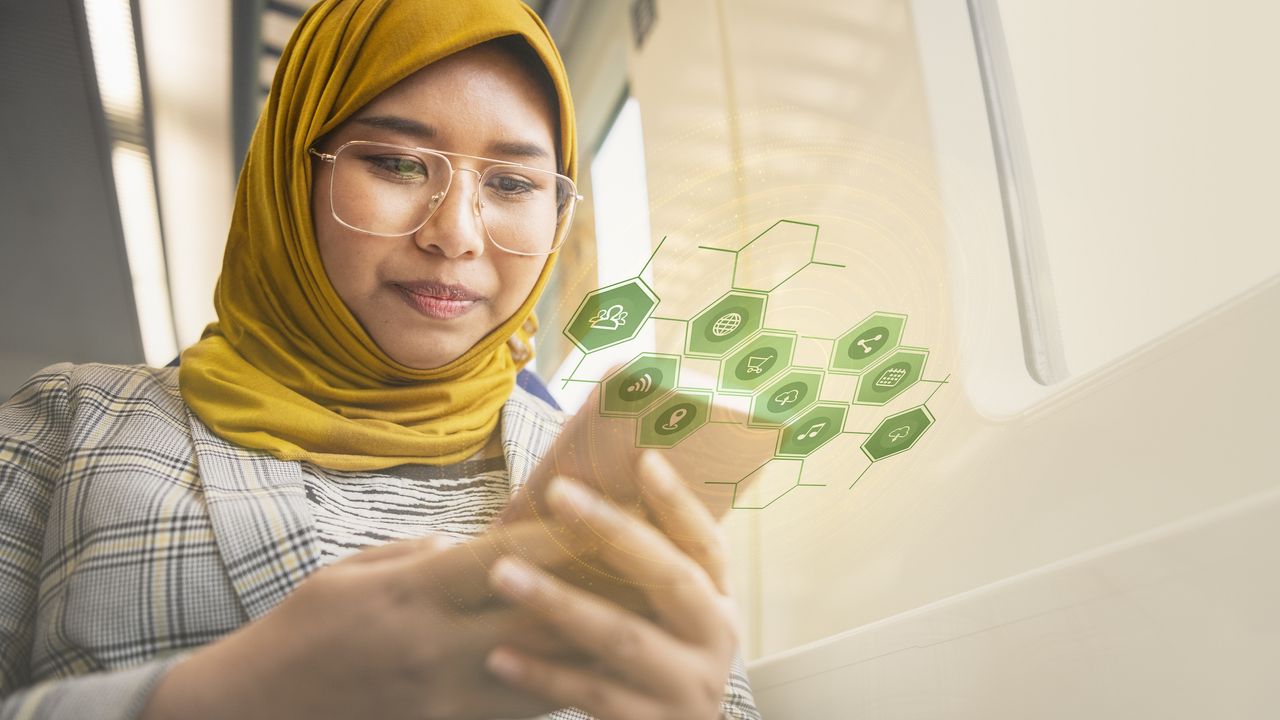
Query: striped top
356	510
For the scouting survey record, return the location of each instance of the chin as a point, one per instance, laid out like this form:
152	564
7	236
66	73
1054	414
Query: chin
427	362
427	348
428	358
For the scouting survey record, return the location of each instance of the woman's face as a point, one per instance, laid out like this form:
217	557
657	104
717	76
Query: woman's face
428	297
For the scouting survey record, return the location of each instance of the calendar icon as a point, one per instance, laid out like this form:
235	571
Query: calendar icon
891	377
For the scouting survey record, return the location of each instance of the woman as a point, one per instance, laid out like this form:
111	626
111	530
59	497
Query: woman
161	530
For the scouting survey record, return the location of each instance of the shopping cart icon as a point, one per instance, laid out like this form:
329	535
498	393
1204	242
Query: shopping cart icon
757	364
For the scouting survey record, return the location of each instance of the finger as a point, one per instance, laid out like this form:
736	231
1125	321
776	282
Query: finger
567	686
523	629
680	591
459	574
679	513
604	582
633	647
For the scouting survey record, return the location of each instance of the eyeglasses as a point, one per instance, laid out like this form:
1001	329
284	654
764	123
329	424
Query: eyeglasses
392	190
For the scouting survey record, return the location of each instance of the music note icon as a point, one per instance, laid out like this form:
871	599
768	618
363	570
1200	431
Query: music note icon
812	432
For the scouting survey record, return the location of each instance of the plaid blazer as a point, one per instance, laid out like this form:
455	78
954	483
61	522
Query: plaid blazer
131	534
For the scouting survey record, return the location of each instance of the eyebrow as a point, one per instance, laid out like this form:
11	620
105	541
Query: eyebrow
404	126
519	149
423	131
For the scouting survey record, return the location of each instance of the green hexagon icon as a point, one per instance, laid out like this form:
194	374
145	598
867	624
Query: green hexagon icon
636	386
897	433
726	324
764	356
890	377
786	397
810	431
611	315
867	342
674	419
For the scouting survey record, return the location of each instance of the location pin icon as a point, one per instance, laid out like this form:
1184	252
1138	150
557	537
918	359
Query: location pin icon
673	422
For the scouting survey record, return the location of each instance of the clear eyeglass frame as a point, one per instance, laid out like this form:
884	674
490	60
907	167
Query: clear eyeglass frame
562	232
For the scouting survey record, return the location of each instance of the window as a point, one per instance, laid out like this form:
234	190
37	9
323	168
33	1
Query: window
619	193
619	187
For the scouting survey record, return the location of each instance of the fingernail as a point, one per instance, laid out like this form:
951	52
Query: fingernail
514	577
658	470
504	664
574	495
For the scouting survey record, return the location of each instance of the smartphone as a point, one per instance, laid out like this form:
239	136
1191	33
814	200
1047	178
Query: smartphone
708	443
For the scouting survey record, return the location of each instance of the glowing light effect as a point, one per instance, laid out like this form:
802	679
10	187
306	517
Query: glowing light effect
140	218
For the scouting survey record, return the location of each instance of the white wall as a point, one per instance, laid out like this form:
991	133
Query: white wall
851	116
1151	130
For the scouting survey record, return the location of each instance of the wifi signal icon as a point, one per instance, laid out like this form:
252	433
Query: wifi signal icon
641	385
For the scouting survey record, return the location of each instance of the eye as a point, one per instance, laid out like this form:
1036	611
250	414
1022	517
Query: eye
397	167
511	186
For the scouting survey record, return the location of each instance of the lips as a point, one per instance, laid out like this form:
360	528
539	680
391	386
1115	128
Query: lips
440	301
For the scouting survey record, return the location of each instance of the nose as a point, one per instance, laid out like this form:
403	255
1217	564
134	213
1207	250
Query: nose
455	228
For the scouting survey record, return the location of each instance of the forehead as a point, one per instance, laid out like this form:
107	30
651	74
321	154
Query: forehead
482	93
484	65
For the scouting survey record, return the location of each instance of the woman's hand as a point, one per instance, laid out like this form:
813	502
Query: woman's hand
673	666
398	631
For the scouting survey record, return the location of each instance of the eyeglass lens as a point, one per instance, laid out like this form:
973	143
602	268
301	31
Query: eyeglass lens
391	190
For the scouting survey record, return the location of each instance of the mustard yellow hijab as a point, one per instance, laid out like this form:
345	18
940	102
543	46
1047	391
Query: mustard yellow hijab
287	368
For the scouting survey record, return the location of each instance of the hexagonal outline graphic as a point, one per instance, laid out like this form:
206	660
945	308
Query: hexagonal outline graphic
813	251
768	389
860	327
691	327
639	282
738	484
780	367
698	423
872	371
812	260
789	426
928	416
627	369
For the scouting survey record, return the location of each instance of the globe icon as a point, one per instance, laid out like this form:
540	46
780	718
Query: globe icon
726	324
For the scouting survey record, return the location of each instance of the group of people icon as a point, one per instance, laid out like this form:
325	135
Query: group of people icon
610	318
